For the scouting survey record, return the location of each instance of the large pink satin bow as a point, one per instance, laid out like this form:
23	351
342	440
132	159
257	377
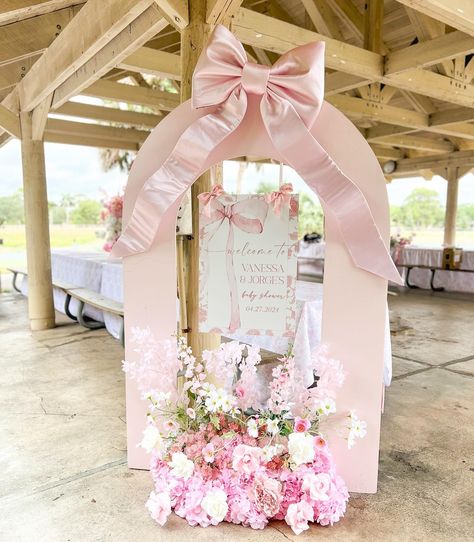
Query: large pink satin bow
279	198
249	216
291	93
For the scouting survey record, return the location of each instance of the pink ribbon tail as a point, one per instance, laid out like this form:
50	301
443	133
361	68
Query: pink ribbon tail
184	164
342	198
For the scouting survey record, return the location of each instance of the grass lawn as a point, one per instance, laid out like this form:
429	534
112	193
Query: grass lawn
12	251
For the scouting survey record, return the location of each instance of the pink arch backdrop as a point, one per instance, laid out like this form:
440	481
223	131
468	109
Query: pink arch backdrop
354	309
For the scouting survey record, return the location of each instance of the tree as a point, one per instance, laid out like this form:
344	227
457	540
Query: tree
11	208
423	209
310	216
86	212
68	203
465	217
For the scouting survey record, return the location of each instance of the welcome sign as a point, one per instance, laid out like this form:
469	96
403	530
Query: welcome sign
248	263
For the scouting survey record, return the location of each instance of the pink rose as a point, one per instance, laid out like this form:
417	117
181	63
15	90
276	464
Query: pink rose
301	425
239	391
298	515
246	458
317	486
267	496
159	506
320	443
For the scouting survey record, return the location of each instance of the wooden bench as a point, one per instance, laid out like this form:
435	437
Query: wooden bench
433	269
84	297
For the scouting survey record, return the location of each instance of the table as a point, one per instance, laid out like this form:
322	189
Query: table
427	258
309	300
311	259
95	271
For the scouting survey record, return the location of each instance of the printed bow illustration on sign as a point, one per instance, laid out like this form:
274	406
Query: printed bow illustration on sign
291	95
247	215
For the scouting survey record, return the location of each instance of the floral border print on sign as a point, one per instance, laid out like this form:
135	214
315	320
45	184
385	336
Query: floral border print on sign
248	264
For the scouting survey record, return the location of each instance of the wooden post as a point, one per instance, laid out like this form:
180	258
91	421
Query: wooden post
451	207
193	39
38	251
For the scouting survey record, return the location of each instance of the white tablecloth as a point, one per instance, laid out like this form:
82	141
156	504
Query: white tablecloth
452	281
309	299
96	272
83	269
311	259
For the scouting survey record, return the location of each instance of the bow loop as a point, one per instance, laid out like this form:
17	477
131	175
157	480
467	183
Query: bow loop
278	198
297	77
206	198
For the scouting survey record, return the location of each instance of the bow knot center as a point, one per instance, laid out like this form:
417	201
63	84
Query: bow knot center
228	211
255	78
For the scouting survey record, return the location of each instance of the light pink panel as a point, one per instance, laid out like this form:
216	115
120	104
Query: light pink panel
354	308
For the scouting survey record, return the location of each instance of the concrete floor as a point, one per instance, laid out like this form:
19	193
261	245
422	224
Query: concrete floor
62	433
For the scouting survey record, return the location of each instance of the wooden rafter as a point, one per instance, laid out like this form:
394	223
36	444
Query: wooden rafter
158	63
456	13
138	32
418	142
175	11
107	90
413	165
12	11
430	52
219	10
97	23
9	121
322	17
108	114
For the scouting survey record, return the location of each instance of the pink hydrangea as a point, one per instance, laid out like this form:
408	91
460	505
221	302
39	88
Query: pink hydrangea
298	515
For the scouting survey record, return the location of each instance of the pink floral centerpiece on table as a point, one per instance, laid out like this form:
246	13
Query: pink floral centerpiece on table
233	452
111	216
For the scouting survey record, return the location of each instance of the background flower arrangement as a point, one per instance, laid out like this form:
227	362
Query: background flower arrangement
234	452
111	217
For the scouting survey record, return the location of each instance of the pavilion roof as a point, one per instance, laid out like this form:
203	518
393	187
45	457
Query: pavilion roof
402	70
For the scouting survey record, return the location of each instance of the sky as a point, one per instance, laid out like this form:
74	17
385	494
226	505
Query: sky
71	169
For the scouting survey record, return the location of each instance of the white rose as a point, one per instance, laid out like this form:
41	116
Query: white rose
215	505
181	466
151	439
301	448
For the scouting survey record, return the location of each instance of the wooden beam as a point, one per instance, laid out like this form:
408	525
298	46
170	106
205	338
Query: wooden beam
452	116
360	109
456	13
159	63
137	33
99	131
271	34
89	141
175	11
373	25
9	122
219	10
323	18
337	82
119	92
108	114
419	143
39	118
452	177
4	139
350	15
433	85
12	11
387	153
382	131
98	22
420	103
429	53
387	93
413	165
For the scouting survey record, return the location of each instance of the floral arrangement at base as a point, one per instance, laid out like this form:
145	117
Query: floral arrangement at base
231	452
111	217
